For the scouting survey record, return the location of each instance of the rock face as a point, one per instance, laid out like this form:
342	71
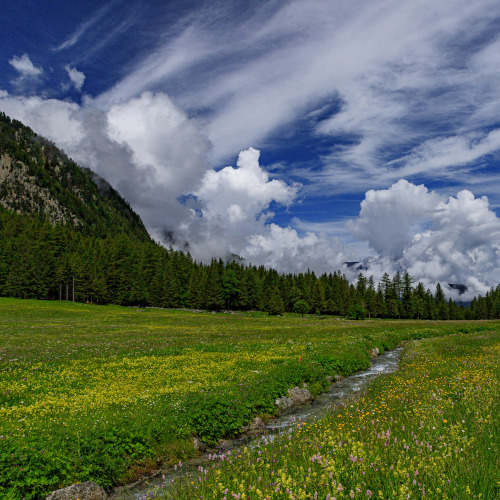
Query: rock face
83	491
257	424
300	396
285	405
198	444
296	397
22	193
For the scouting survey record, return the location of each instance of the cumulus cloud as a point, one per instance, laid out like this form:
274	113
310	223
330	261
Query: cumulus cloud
284	249
453	240
161	137
233	208
56	120
244	193
77	77
387	216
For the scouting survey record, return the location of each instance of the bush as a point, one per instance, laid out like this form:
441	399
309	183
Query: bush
301	307
356	311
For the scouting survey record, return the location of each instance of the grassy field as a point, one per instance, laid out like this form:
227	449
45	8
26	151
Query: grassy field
430	430
102	392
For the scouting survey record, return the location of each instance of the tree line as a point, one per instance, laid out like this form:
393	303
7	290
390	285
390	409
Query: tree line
44	261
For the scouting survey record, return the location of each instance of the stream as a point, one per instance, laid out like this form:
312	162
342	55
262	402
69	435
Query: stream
322	405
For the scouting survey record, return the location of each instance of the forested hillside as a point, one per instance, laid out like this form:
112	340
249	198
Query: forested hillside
37	178
65	237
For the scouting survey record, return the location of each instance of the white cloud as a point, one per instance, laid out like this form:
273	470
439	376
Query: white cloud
77	77
25	67
56	120
83	29
162	137
454	240
444	155
284	249
233	208
243	193
387	216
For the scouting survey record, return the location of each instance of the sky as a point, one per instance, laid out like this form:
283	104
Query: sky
294	134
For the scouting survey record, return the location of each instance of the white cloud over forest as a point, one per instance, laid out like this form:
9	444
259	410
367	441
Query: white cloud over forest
438	239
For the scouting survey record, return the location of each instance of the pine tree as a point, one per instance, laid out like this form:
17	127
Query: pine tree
230	287
408	303
318	297
274	304
214	296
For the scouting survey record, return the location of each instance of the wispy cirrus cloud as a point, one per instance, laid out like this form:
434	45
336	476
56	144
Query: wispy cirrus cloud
402	73
84	28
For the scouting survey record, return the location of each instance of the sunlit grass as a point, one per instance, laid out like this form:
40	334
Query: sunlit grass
91	392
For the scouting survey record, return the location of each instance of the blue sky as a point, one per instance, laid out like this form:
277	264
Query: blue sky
295	134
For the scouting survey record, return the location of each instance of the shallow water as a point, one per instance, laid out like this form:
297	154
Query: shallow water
336	393
386	363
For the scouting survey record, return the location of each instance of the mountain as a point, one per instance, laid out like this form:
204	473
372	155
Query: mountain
36	178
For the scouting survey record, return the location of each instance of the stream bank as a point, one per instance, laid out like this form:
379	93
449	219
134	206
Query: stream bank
321	406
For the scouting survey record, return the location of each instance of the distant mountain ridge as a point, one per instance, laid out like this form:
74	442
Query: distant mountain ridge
36	178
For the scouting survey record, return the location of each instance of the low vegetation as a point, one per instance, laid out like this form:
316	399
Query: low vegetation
102	392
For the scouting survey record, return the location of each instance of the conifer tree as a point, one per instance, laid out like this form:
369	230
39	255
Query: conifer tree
274	303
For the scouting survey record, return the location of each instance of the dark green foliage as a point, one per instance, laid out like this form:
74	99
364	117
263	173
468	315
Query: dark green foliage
345	366
273	303
301	307
356	311
230	290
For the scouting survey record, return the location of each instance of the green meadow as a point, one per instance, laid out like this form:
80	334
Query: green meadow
106	392
429	430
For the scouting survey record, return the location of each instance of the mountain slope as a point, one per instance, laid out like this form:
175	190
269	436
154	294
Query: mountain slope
36	178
